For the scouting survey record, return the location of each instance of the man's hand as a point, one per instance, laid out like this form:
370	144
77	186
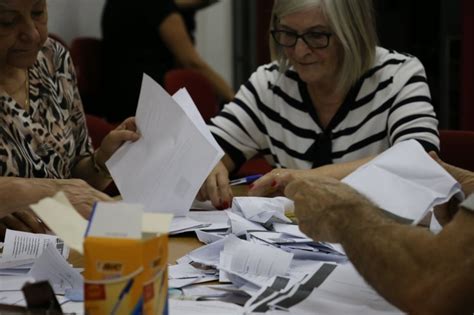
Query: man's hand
445	212
273	183
325	206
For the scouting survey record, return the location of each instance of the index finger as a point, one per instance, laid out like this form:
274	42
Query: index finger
263	186
130	124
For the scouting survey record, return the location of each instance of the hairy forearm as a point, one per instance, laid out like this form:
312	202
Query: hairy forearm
415	270
340	170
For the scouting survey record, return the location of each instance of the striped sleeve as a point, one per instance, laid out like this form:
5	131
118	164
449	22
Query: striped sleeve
412	115
239	128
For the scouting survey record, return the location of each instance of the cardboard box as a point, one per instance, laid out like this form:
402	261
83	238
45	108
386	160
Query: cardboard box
125	276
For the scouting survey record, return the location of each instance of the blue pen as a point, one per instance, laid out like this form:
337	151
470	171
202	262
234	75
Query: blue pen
125	290
245	180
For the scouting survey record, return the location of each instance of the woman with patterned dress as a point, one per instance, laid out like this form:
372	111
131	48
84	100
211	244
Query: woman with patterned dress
44	143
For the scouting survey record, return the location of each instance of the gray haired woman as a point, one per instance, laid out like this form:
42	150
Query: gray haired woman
329	102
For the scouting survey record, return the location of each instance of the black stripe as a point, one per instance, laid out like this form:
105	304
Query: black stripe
368	98
293	75
272	68
359	145
414	99
287	150
261	127
417	79
235	154
289	100
372	71
348	131
413	131
273	115
428	146
234	120
305	290
407	119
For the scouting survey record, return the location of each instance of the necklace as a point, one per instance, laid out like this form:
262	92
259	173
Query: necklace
27	91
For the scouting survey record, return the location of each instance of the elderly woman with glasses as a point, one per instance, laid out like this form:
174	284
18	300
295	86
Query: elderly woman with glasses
329	102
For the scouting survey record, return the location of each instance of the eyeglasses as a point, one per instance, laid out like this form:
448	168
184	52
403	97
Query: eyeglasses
312	39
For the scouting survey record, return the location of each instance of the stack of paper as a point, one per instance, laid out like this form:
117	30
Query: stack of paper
166	167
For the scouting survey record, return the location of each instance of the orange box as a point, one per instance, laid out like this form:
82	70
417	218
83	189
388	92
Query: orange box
126	276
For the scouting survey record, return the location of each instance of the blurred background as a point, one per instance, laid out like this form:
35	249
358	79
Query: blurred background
438	32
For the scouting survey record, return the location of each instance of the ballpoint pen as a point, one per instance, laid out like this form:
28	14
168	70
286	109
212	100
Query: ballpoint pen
245	180
125	290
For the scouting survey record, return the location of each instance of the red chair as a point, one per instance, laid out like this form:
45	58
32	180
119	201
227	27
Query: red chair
86	53
98	128
256	165
457	148
198	87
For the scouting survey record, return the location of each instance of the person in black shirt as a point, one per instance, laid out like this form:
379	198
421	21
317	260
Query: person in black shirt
145	36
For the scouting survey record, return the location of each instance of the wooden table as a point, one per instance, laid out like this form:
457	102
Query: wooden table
178	245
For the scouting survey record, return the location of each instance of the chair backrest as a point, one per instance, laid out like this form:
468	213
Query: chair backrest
86	53
198	87
98	128
457	148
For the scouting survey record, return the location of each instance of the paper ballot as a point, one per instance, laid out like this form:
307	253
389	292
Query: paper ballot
405	181
165	168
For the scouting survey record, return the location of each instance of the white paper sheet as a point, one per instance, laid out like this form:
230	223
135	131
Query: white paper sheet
183	271
23	246
218	220
183	307
165	168
54	268
185	224
13	283
62	219
116	219
344	292
208	237
290	229
262	209
240	225
209	254
255	263
405	181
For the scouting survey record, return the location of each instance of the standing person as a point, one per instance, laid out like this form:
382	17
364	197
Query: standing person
330	101
43	133
146	36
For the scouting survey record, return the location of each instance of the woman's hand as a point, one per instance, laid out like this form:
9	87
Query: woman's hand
126	131
274	182
25	221
81	195
216	188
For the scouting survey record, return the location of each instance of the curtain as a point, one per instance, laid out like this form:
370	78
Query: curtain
467	64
